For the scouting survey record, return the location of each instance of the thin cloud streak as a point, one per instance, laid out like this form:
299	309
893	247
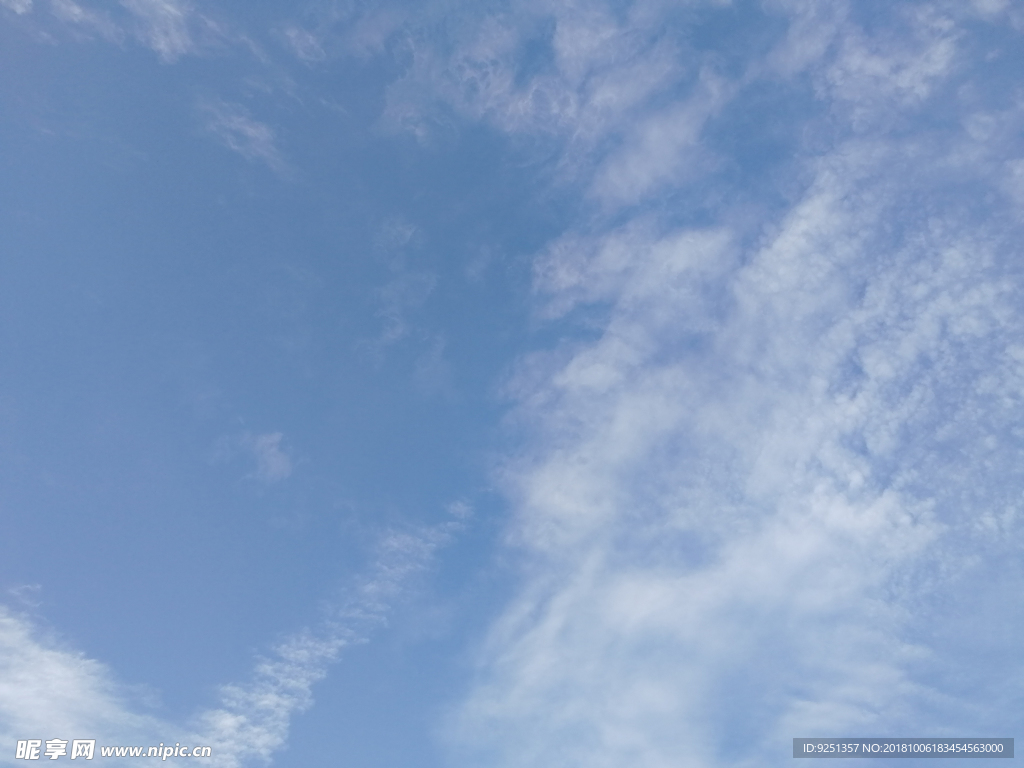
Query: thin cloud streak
253	720
49	689
238	131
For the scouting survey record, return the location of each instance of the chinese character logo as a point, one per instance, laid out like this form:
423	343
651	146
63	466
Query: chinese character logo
28	750
56	747
83	748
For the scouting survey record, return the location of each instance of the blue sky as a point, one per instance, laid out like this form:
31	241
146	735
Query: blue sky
510	383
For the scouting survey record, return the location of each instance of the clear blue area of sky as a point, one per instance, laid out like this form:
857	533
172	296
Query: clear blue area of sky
160	297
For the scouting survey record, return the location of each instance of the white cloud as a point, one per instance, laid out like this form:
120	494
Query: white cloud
405	291
731	523
407	287
71	12
663	148
371	30
18	6
163	25
273	461
352	28
597	78
253	140
48	690
811	32
253	720
747	508
169	28
273	464
27	594
990	8
306	45
875	73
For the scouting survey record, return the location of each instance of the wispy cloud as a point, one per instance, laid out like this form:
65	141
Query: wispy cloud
307	45
404	292
93	21
266	453
254	717
597	90
407	287
27	594
742	507
348	29
237	130
18	6
736	517
163	25
172	29
46	688
52	690
272	462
